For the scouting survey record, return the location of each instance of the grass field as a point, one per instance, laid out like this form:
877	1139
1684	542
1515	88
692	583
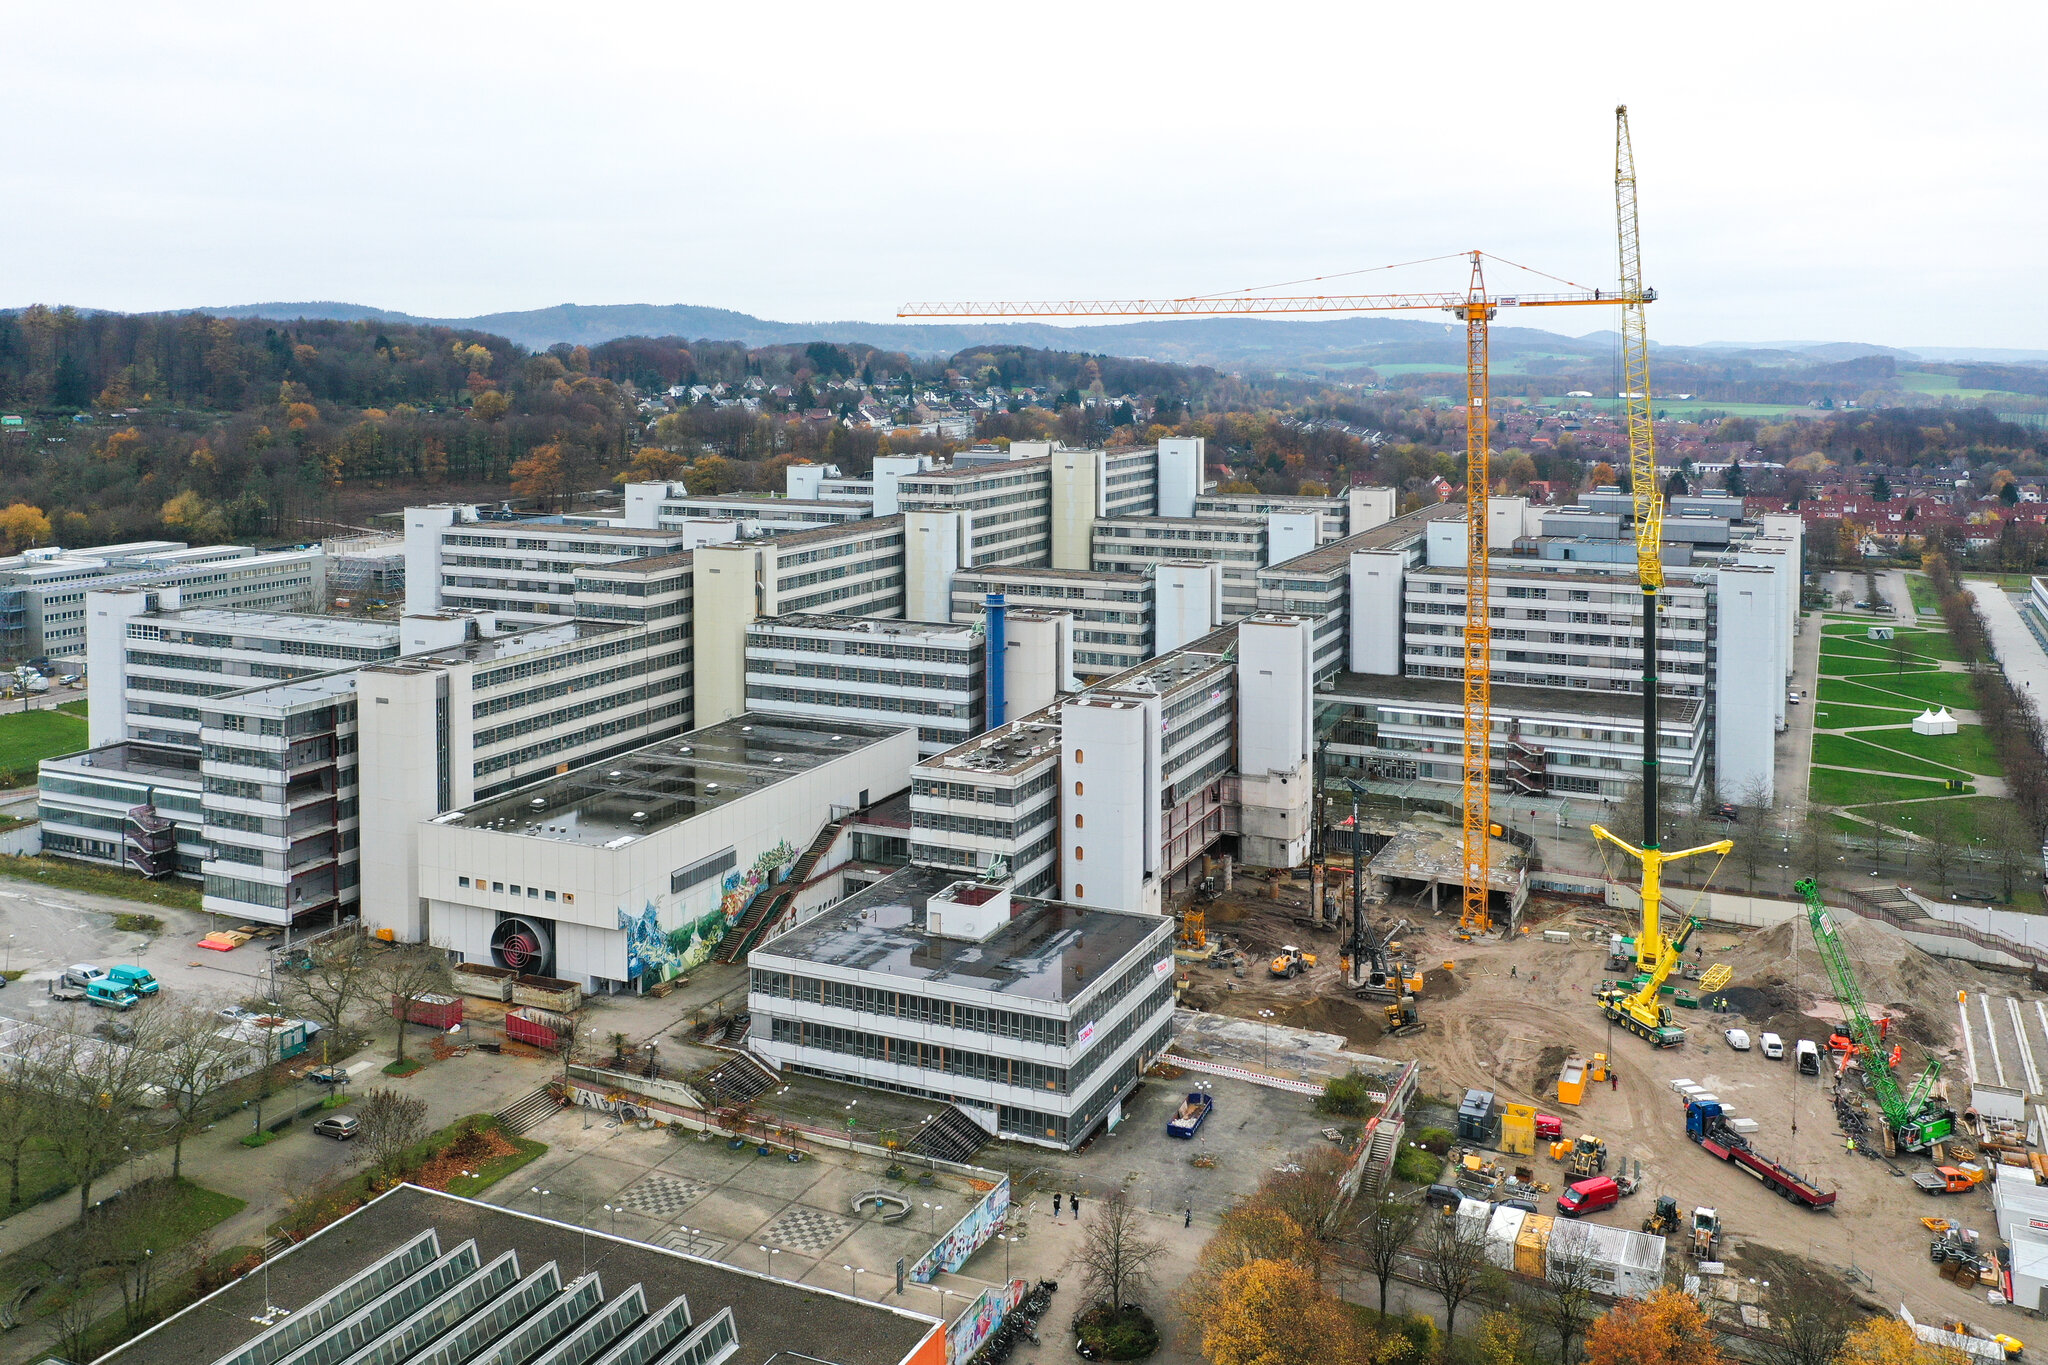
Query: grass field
101	881
1921	381
1902	689
29	737
1970	748
1840	751
1921	589
1975	816
1920	647
1838	716
1835	787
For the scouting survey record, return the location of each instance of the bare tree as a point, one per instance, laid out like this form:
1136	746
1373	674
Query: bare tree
1809	1320
336	990
1753	840
193	1062
1116	1256
1384	1233
1942	840
23	1118
1810	841
2013	847
1453	1261
1311	1194
1877	837
408	974
389	1121
93	1089
1563	1301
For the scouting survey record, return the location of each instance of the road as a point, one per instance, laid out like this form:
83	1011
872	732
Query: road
2019	652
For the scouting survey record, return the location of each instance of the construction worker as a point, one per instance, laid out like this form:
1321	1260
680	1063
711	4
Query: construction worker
1613	1080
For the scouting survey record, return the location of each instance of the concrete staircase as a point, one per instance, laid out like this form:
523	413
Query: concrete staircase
528	1110
769	904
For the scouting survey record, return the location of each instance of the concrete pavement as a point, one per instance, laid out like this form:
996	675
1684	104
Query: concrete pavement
2019	652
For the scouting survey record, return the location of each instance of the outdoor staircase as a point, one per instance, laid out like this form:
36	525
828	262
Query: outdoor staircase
950	1136
1379	1157
737	1080
526	1111
769	904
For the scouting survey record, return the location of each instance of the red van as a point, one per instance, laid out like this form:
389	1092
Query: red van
1588	1196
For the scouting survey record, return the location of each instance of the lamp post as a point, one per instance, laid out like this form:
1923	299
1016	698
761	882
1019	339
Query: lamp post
1266	1048
1006	1238
856	1271
772	1253
934	1210
612	1209
689	1237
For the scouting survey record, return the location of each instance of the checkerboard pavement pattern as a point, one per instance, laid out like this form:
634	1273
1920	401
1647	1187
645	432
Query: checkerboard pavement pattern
806	1230
662	1196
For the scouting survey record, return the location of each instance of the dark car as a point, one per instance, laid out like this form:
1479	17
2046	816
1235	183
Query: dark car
1525	1205
1445	1197
1728	810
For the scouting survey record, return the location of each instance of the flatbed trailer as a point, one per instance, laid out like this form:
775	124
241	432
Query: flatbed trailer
1706	1125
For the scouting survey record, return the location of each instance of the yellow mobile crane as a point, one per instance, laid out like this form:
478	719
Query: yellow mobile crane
1636	1005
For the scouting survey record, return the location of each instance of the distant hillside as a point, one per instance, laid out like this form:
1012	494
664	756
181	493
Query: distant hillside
1231	343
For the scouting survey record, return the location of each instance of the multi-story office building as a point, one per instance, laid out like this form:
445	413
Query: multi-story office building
1112	612
668	507
870	669
522	568
624	873
1089	486
42	593
1237	548
980	516
855	569
993	800
1035	1019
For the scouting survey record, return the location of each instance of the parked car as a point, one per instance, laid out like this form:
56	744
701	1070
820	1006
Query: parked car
340	1127
1806	1055
1728	810
1738	1039
1773	1046
1444	1197
81	974
137	979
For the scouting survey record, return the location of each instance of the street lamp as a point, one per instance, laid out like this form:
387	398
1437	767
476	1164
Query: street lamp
614	1212
935	1210
856	1271
1266	1049
773	1252
1006	1239
689	1237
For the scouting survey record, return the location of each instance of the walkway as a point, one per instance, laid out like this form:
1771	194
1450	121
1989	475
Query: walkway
2019	653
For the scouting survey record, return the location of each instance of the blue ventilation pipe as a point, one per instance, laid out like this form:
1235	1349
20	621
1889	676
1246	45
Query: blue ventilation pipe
993	606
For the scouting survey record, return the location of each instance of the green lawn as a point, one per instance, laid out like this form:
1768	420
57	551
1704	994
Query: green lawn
73	708
1834	787
1840	716
1902	689
1872	666
1921	589
1970	748
101	881
1840	751
29	737
1973	815
1926	646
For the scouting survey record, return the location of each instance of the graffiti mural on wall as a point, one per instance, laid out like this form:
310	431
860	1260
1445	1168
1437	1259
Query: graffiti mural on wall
658	954
982	1222
979	1322
740	888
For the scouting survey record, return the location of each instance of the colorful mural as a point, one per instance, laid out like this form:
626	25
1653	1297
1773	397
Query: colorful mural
740	888
982	1222
982	1317
657	954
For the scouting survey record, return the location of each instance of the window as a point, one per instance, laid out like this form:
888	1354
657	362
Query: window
533	893
1077	789
497	886
1080	853
462	881
1077	822
1079	891
1077	755
568	898
515	888
548	896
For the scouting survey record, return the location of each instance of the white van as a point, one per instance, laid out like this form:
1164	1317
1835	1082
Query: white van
1773	1046
1806	1056
1738	1039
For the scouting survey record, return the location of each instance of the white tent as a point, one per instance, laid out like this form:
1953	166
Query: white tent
1938	722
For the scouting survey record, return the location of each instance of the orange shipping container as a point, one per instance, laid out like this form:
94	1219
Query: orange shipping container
1532	1245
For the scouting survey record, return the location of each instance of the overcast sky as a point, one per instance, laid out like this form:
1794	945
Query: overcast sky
1824	171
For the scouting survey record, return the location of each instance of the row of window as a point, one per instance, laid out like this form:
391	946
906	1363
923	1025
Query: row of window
850	673
951	1061
888	703
1030	1028
625	642
532	893
618	725
987	796
888	585
871	647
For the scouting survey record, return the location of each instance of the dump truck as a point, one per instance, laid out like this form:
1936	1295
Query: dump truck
1192	1114
1949	1179
1707	1124
1292	961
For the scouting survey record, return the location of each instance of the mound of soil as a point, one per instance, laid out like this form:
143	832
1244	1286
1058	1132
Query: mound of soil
1782	985
1438	984
1543	1074
1358	1022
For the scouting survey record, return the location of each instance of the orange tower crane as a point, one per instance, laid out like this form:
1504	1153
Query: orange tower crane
1476	309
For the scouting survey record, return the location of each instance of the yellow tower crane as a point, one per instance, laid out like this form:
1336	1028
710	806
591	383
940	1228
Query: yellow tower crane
1636	1006
1475	308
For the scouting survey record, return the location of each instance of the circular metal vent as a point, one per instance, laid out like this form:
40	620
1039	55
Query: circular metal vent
524	945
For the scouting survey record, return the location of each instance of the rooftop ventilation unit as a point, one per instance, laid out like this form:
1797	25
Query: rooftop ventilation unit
639	817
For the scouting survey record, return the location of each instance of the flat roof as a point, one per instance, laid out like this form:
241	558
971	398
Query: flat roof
1018	744
510	645
760	499
319	688
1385	536
1210	523
1449	693
225	619
868	625
130	758
975	471
1048	951
526	526
1018	571
858	526
670	781
645	564
772	1316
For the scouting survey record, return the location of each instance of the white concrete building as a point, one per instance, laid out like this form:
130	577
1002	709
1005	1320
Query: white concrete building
1112	612
886	672
670	507
1034	1019
622	874
522	568
42	592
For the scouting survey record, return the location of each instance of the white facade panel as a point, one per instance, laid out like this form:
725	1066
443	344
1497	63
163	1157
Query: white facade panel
1187	603
1376	581
1750	681
1181	460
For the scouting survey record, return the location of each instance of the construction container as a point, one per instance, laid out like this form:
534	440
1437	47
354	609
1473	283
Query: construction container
1532	1246
483	981
1623	1261
1571	1082
1557	936
1518	1129
1475	1117
1704	1098
1501	1233
1599	1067
442	1012
537	1027
1560	1149
545	992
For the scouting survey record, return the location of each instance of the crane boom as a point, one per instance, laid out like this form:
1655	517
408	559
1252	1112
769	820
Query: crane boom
1917	1119
1260	303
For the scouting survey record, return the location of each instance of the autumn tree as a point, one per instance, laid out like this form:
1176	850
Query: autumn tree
543	475
1276	1313
710	475
198	520
490	407
1667	1328
1250	1231
1888	1341
1311	1192
652	464
336	989
1810	1322
22	526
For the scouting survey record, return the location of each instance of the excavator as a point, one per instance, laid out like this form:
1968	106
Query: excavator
1370	963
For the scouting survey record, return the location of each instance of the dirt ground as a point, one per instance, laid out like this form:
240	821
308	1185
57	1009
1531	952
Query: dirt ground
1504	1016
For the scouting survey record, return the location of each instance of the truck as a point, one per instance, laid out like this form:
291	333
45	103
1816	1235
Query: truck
1192	1114
1949	1179
134	978
106	993
1706	1123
